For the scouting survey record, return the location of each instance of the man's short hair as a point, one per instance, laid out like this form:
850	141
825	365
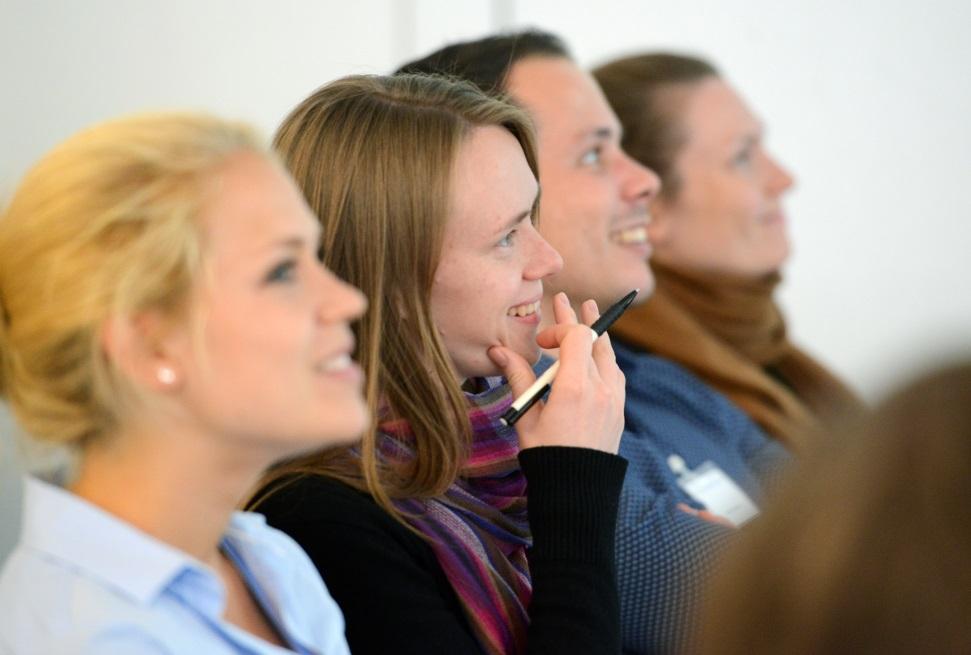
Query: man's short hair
486	62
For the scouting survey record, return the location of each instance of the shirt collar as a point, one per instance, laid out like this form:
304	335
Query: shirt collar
64	526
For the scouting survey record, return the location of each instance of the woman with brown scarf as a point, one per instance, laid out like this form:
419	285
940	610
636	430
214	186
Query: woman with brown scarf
719	237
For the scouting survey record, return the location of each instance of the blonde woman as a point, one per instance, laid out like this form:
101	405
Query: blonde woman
427	192
165	316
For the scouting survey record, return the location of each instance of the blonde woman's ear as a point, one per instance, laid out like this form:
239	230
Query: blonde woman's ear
141	349
166	376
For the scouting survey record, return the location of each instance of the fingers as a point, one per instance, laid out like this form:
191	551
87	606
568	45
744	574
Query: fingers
585	406
553	336
589	311
604	359
519	373
562	310
583	409
575	360
603	352
565	317
600	358
514	367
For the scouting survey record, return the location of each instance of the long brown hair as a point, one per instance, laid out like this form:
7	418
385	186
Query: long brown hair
865	549
374	157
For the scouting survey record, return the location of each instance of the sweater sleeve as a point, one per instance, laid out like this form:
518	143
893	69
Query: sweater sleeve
386	580
395	596
573	501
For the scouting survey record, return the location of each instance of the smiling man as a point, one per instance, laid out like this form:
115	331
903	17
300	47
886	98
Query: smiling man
697	463
595	197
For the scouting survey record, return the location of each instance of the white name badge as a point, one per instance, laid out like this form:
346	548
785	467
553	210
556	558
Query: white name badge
710	486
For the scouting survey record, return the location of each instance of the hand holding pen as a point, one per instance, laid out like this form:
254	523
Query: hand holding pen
585	407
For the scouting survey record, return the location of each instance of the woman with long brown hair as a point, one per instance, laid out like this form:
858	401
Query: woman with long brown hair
427	192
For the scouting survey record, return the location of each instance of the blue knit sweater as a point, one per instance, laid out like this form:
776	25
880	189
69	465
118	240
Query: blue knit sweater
664	553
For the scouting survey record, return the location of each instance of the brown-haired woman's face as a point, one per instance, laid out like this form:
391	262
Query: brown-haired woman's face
487	289
727	215
271	365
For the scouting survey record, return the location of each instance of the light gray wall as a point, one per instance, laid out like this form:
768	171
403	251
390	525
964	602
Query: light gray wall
68	64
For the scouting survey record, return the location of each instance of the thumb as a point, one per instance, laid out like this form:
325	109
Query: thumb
514	367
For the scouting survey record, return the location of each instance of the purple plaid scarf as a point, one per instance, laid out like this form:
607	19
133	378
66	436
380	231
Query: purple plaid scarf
479	529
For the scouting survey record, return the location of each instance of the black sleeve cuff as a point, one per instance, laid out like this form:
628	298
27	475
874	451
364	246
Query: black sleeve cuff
573	496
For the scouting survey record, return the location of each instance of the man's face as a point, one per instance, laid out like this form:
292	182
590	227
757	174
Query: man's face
593	207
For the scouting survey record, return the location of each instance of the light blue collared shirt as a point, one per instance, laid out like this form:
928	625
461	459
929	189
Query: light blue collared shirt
83	581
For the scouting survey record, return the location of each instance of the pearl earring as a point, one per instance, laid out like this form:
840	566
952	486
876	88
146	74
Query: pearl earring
166	375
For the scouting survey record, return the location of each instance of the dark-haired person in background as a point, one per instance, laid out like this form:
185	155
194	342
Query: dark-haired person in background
697	462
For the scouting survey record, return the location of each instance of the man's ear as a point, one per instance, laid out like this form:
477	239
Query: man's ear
146	349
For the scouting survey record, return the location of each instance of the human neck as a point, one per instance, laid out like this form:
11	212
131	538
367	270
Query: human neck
174	484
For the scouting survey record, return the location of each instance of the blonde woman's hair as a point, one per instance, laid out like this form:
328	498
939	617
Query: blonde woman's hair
374	157
103	226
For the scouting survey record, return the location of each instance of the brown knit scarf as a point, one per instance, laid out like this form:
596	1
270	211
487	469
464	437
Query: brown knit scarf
729	331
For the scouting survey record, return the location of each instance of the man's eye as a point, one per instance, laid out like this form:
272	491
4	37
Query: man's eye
507	240
282	272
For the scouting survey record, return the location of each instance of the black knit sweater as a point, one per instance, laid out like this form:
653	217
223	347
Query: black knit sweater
395	596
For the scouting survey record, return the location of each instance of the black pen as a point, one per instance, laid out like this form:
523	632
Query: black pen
542	384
